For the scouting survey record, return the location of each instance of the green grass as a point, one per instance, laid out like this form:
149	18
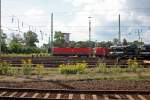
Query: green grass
77	71
90	74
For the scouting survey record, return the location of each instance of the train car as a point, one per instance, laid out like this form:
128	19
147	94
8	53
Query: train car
101	52
145	51
117	51
72	51
132	51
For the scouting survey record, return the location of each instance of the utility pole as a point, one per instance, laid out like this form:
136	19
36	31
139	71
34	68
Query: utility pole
139	35
29	27
51	34
18	26
0	39
119	36
0	32
89	29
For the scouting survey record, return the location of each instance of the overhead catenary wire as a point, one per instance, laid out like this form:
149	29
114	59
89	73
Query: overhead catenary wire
77	28
13	16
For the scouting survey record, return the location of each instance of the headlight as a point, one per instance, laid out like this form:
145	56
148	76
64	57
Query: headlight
111	52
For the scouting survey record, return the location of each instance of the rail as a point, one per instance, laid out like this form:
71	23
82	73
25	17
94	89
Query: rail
7	93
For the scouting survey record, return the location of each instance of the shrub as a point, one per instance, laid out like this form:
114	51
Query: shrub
78	68
133	65
14	71
39	69
5	68
116	69
27	67
102	68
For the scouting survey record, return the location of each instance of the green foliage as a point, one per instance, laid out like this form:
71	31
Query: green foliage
78	68
30	38
102	68
133	65
15	44
59	39
7	69
104	44
82	44
39	69
125	42
137	43
13	71
24	45
29	50
4	47
115	41
45	48
116	69
27	67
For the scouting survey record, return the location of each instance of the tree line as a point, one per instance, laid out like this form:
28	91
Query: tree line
27	43
60	42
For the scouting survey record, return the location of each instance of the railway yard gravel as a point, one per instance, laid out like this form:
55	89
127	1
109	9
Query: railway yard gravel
83	85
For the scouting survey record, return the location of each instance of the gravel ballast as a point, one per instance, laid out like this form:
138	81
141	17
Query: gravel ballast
83	85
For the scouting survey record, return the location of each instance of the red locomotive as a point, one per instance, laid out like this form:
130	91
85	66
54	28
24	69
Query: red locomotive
100	52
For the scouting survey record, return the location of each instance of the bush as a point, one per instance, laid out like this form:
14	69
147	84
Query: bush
133	65
27	67
116	69
78	68
14	71
5	68
102	68
39	69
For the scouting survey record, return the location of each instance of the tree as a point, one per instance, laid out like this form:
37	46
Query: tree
104	44
108	44
72	44
115	41
3	42
16	45
30	38
45	48
125	42
59	39
81	44
137	43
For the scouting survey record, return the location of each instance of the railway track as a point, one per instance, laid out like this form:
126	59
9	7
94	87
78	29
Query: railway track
65	94
55	61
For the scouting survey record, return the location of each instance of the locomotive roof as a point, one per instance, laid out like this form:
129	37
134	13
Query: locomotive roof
118	46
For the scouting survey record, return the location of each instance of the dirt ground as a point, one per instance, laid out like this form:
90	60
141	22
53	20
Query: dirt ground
90	85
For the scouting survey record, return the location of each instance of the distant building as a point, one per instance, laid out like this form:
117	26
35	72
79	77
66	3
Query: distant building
66	37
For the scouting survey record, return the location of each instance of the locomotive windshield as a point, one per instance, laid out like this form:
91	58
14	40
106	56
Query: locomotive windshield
117	49
146	47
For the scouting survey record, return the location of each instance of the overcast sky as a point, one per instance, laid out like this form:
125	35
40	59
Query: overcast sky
71	16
